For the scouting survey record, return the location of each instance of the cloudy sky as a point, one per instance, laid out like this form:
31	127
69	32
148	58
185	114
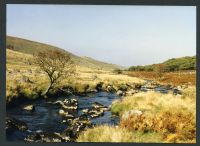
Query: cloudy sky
123	35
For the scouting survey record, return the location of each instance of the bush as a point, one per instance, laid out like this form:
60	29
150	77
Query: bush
117	71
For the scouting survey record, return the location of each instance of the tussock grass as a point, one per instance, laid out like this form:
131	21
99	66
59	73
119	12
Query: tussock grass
107	133
154	102
173	116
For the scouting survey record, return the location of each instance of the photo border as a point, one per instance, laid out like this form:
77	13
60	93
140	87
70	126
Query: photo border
90	2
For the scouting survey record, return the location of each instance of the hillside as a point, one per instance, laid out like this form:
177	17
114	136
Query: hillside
174	64
31	47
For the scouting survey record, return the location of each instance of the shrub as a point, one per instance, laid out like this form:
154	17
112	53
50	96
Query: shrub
117	71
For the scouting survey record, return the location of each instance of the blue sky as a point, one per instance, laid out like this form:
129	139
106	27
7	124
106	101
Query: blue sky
123	35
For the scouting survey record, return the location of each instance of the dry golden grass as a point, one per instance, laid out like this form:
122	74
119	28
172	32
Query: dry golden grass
105	133
173	78
85	79
172	115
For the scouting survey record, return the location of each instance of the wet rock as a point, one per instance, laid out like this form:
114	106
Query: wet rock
14	124
30	108
67	104
45	137
65	114
96	113
119	93
138	86
131	113
99	86
68	90
77	125
131	92
110	89
85	111
97	105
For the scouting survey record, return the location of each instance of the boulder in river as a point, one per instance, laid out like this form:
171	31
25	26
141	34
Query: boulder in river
96	113
119	93
77	125
97	105
45	137
68	104
85	110
29	108
110	89
131	92
14	124
65	114
131	113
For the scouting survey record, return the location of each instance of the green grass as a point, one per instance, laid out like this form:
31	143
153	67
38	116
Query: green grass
174	64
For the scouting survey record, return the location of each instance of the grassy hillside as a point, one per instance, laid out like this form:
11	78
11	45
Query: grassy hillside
174	64
31	47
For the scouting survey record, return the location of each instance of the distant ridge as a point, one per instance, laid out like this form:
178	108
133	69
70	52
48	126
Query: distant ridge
31	47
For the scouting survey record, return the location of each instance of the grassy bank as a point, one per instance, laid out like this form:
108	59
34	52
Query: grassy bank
165	118
25	80
107	133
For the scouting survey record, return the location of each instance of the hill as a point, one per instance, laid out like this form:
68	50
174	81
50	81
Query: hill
174	64
31	47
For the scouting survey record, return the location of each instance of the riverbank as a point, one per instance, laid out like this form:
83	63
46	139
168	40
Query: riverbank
150	116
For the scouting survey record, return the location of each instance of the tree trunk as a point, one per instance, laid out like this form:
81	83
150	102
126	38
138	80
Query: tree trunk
47	90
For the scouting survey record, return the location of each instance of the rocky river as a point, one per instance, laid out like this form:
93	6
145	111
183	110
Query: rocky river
61	119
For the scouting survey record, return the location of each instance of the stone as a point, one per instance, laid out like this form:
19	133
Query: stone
26	79
14	124
119	93
131	92
65	114
45	137
110	89
85	110
131	113
29	108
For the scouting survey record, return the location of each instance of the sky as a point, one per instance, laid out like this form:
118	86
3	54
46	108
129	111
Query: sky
123	35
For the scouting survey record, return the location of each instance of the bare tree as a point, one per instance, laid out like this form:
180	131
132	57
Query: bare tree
56	64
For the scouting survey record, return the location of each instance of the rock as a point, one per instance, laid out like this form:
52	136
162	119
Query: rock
85	111
110	89
138	86
78	124
97	105
65	114
29	108
131	92
99	86
131	113
96	113
26	79
92	91
68	104
44	137
119	93
68	90
14	124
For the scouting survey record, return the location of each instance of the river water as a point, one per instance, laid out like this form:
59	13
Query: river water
46	118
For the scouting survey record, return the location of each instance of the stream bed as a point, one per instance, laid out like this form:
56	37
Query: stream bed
46	118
